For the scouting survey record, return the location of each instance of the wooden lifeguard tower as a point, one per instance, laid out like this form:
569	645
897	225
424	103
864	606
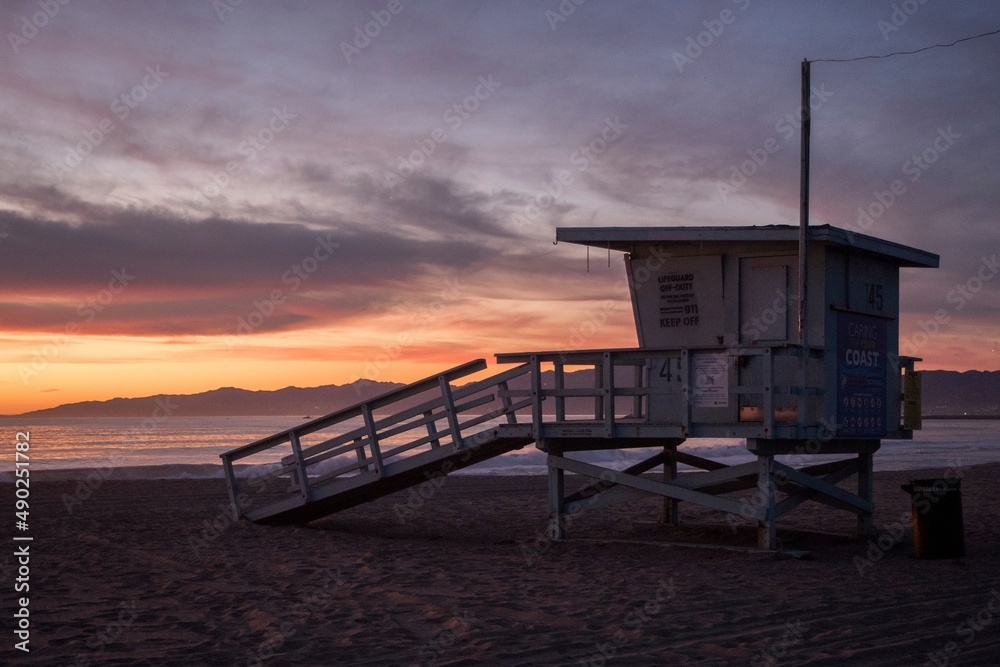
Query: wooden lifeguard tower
720	355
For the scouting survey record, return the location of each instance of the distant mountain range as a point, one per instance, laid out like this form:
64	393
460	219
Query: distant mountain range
945	393
969	393
228	401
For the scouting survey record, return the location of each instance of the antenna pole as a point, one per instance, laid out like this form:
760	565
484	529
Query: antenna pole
804	203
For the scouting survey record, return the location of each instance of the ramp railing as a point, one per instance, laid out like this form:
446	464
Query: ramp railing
369	437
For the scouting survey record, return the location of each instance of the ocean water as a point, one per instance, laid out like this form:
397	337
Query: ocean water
189	447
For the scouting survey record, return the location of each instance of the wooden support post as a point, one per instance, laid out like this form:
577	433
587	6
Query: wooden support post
766	527
560	383
360	451
599	405
768	398
506	402
366	412
557	488
802	398
865	491
686	389
536	398
227	465
300	465
670	505
432	430
609	395
449	411
639	374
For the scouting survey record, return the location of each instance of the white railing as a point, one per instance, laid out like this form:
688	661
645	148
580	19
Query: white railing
622	388
421	416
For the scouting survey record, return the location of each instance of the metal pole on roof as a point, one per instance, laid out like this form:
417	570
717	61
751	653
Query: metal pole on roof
804	203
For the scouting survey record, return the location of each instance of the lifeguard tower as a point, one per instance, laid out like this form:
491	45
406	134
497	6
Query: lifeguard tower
721	354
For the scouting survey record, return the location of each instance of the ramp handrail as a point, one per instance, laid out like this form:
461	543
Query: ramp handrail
444	419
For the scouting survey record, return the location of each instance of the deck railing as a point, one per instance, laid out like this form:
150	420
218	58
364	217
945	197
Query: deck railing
623	388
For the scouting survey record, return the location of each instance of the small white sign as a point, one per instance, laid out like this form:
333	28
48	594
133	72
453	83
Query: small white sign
711	380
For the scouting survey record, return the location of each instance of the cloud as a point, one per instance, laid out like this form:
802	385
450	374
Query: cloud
201	263
184	276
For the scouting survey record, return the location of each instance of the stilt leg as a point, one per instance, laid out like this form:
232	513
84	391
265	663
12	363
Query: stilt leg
671	515
557	518
865	492
766	529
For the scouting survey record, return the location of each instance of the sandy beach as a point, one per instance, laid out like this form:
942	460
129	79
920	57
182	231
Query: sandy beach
157	572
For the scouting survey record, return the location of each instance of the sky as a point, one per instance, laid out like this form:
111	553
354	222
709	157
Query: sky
197	194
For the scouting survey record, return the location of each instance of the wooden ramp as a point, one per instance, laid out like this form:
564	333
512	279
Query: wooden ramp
407	437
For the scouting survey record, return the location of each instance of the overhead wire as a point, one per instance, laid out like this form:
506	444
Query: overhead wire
905	53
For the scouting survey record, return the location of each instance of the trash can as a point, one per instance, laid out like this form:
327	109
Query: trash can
937	517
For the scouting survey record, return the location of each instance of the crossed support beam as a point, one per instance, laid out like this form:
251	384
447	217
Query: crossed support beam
706	488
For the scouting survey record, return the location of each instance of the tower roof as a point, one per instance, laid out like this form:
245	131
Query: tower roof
627	239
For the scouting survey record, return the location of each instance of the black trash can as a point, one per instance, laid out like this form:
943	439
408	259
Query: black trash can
937	518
